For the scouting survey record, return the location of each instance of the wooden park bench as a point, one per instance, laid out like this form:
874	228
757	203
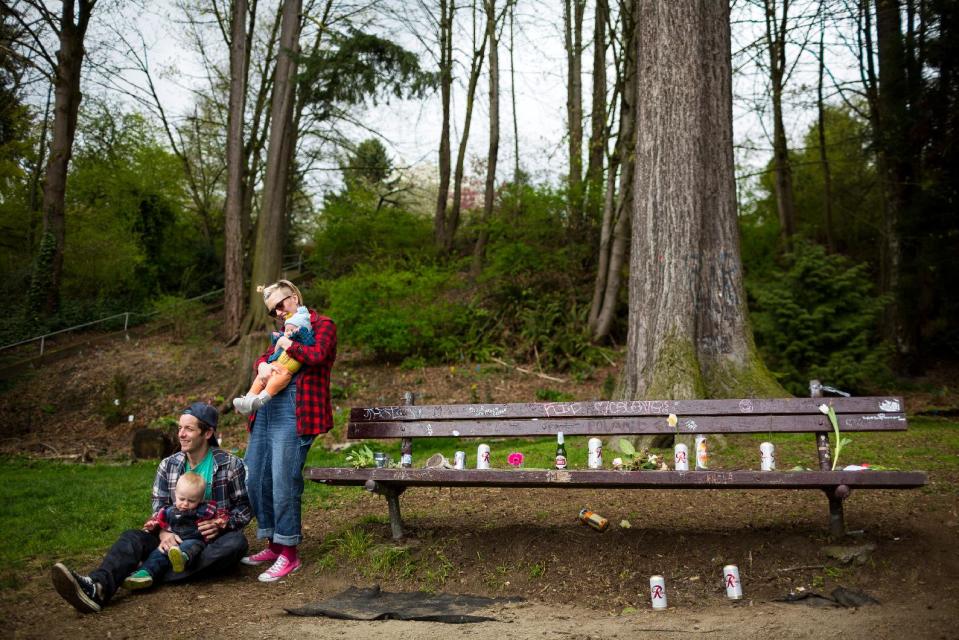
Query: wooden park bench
625	418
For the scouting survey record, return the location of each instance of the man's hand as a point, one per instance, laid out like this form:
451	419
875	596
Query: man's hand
168	539
283	343
210	529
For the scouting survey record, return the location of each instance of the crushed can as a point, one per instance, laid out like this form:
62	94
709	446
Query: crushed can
767	456
593	519
681	457
657	592
734	588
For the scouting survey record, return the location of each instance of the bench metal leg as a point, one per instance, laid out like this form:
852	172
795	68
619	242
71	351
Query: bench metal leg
837	523
396	520
392	495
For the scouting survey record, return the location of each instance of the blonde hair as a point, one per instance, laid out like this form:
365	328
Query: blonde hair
192	482
280	285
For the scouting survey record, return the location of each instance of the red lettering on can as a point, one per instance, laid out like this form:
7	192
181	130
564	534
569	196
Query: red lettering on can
730	581
657	592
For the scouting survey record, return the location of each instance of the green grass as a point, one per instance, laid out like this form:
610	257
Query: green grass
64	511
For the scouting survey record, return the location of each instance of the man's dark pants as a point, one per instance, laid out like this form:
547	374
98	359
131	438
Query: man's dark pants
135	545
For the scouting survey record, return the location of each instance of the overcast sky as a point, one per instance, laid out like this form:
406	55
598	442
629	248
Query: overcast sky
411	128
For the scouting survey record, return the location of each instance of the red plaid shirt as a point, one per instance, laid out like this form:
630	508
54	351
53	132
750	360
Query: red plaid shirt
314	408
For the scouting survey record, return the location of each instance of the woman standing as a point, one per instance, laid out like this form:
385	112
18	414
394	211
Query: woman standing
282	431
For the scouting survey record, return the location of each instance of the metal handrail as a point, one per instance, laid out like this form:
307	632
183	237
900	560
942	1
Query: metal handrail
298	264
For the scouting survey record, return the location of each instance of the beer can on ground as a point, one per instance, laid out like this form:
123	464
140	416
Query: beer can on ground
681	457
595	459
734	589
657	592
459	460
702	454
406	460
593	519
379	458
482	456
767	456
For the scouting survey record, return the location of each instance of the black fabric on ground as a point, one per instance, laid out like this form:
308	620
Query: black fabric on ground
841	597
373	604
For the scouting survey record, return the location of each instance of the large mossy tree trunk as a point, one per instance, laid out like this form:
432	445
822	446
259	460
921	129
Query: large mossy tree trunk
689	335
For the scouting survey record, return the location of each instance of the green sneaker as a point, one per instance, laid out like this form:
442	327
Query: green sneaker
178	559
139	579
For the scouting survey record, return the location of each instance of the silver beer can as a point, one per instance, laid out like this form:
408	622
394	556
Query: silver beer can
459	460
595	459
681	457
657	592
734	589
702	453
482	456
406	460
767	456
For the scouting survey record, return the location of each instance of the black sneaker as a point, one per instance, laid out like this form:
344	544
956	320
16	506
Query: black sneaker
80	591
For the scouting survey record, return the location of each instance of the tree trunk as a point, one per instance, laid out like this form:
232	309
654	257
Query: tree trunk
823	154
476	65
447	9
44	292
573	11
489	193
270	228
512	88
895	163
783	182
598	132
689	335
233	217
616	215
35	173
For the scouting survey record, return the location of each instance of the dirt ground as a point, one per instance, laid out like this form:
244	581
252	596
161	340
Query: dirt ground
577	583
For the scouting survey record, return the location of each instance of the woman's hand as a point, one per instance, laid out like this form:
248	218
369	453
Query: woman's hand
263	372
168	539
283	343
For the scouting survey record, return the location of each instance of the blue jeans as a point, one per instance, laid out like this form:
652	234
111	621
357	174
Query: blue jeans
157	563
274	461
135	545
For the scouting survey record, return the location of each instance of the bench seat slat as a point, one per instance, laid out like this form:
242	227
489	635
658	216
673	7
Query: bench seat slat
610	408
791	423
545	478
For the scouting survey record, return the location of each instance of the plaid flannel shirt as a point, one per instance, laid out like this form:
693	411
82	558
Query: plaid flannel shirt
205	511
314	407
228	487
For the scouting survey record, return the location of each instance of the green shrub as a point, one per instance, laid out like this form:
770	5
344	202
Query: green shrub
396	313
354	231
819	318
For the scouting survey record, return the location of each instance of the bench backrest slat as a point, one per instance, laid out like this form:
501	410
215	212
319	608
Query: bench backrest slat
626	409
789	423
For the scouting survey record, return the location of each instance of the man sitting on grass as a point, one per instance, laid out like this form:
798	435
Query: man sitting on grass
225	480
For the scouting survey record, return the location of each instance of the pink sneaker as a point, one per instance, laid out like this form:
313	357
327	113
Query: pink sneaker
280	569
267	555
